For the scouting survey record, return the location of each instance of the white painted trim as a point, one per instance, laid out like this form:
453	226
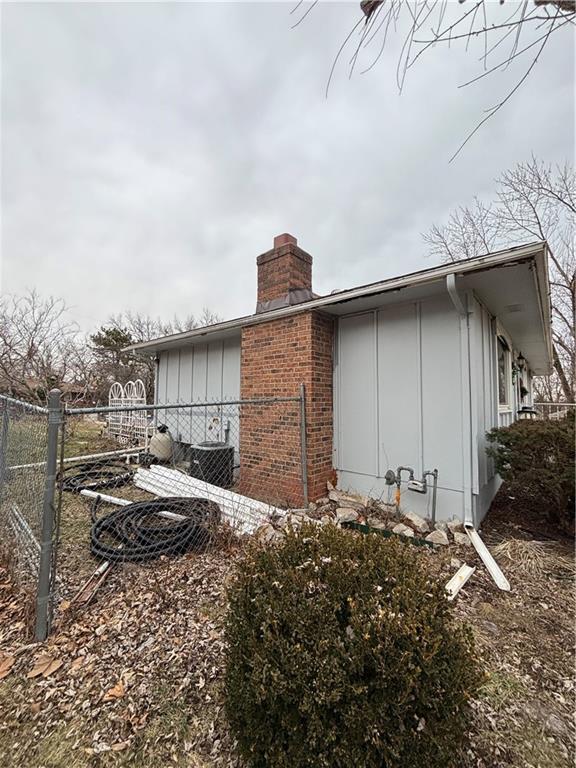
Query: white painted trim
508	406
534	251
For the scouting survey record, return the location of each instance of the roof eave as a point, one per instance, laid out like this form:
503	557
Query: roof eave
324	302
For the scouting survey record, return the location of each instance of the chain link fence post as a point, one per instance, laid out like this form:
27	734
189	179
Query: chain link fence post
43	594
3	445
303	446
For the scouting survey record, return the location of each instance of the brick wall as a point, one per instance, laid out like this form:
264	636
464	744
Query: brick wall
282	272
277	357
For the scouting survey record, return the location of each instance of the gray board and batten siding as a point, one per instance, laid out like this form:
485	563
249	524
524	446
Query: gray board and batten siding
202	372
415	386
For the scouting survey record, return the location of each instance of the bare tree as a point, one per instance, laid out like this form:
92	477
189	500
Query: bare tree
143	327
508	33
533	202
40	347
110	361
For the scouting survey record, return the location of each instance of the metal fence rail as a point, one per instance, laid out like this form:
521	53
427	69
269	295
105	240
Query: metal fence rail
78	498
554	411
200	472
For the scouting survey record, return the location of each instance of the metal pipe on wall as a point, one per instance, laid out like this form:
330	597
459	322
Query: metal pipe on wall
432	473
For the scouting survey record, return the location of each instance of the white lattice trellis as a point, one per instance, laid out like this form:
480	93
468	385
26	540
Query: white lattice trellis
128	427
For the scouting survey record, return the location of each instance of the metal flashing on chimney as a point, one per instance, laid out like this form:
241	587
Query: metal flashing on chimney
294	296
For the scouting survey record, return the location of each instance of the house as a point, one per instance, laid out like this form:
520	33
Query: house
409	371
35	389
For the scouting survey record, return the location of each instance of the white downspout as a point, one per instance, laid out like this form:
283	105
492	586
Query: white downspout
465	384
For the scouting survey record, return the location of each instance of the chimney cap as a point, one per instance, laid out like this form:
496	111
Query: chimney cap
284	239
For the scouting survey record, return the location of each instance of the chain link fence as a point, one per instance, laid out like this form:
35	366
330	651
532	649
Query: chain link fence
24	487
87	490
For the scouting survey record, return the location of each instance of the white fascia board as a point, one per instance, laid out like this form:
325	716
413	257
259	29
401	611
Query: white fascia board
324	302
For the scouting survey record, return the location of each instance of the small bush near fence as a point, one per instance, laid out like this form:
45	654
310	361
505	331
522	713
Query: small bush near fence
341	652
537	459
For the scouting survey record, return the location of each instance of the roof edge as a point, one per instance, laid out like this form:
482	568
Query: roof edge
463	266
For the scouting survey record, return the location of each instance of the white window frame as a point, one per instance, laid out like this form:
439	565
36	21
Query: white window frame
501	336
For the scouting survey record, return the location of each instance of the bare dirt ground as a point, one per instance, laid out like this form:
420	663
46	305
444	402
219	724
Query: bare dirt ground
135	678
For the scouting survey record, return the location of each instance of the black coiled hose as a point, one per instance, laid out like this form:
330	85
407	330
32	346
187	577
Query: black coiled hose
93	478
139	532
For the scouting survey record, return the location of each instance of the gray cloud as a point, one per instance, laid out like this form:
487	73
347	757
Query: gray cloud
151	151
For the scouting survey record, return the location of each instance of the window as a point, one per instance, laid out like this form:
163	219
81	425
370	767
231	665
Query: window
504	372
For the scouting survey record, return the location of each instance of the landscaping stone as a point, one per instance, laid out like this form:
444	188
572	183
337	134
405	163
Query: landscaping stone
345	500
403	530
441	526
416	522
455	525
346	515
375	522
462	539
438	537
386	506
455	563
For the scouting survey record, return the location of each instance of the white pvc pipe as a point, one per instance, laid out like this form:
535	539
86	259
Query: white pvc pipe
123	452
106	499
126	502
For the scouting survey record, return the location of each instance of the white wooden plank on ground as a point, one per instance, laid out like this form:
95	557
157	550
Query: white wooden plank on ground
241	512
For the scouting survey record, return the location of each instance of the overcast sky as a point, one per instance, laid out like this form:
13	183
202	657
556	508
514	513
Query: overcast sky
151	151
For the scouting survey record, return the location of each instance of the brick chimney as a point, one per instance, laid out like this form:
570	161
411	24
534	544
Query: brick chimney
284	275
278	356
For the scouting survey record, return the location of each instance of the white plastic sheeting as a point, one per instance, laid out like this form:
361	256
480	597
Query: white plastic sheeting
245	515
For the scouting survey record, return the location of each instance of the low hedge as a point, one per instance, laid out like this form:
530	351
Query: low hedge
537	459
341	653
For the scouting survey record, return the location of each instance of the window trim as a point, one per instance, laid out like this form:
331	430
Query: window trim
502	339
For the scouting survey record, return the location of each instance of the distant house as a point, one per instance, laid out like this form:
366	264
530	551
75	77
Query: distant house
409	371
36	389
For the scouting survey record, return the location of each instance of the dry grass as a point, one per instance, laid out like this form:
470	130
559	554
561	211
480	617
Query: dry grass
84	436
533	558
